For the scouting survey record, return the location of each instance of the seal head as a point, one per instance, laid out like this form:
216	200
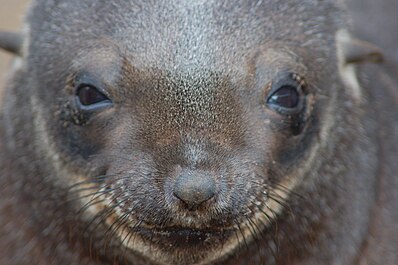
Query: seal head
186	133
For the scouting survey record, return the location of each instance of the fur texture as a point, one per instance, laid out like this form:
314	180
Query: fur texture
190	83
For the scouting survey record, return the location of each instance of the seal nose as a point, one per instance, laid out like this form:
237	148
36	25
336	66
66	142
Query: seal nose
194	187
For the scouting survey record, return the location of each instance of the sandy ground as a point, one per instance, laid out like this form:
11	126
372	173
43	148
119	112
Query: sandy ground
11	18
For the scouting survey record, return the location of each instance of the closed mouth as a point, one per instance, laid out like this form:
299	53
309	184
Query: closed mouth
184	237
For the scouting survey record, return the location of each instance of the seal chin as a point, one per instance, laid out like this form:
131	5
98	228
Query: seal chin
182	245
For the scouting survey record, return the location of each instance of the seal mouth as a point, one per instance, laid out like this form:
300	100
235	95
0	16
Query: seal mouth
184	237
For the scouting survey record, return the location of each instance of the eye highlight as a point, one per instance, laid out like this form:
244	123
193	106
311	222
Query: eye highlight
286	95
89	95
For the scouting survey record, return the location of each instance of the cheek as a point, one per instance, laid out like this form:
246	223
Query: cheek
278	146
83	143
292	150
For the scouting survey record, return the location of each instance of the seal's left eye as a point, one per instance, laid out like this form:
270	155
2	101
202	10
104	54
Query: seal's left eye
89	95
286	96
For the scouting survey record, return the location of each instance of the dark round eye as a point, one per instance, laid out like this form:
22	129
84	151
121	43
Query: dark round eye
89	95
286	96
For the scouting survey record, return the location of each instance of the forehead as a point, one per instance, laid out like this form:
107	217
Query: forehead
185	34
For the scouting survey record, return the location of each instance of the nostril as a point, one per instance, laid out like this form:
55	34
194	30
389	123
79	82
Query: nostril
194	187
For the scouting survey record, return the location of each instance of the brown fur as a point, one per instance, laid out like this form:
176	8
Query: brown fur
189	84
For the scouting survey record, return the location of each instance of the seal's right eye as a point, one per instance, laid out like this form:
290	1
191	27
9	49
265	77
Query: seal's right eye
90	96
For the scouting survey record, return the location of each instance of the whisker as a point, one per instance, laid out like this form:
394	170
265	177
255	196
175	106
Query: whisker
92	201
270	222
287	190
104	214
122	220
113	228
88	181
242	233
254	233
129	236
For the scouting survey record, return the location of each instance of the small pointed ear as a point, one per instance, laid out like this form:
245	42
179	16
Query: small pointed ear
356	51
11	42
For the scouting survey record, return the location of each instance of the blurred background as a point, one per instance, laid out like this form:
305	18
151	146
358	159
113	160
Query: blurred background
11	18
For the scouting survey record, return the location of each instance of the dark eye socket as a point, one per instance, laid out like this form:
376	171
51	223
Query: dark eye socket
89	95
286	96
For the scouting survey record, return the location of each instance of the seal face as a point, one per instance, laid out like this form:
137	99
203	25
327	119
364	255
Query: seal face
185	151
185	133
185	174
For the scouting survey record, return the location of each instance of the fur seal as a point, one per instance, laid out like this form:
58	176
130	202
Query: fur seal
206	132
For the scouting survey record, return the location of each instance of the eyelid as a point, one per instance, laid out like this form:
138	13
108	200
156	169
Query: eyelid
286	79
96	106
89	79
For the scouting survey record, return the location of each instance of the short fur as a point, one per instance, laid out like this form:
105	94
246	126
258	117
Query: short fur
189	82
